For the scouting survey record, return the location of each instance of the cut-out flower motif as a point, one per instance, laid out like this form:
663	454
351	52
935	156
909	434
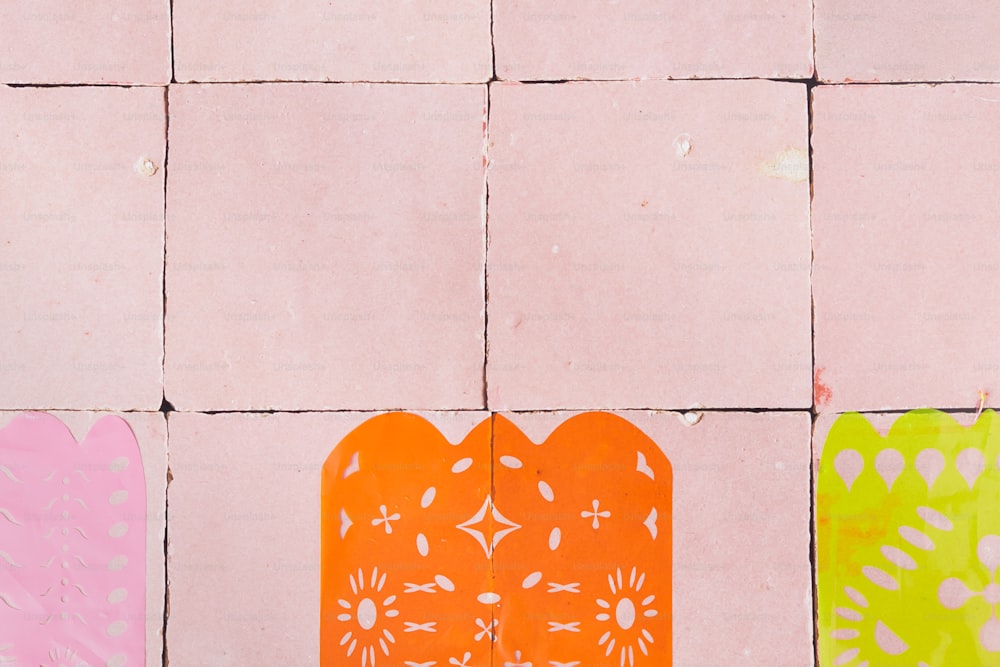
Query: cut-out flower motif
597	514
954	593
627	632
486	631
65	657
363	612
386	519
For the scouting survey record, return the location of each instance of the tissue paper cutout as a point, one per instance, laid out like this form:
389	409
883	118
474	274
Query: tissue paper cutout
496	550
908	542
403	538
588	578
72	545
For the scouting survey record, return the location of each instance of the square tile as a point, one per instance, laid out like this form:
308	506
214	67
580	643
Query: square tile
741	568
244	551
568	39
348	40
341	230
649	245
150	431
906	40
905	245
81	258
100	41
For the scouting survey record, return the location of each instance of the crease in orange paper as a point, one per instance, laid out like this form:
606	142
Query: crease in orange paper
468	554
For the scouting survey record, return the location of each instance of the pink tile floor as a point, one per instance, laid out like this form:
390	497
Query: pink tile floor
299	216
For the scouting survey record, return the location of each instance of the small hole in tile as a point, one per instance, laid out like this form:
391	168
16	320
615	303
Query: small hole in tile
146	167
682	145
692	416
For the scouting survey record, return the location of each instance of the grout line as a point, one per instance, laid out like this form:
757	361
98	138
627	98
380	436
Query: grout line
812	27
811	81
173	60
165	660
810	118
325	82
122	411
168	409
813	558
486	246
922	82
812	383
165	406
661	79
86	85
493	41
533	82
164	403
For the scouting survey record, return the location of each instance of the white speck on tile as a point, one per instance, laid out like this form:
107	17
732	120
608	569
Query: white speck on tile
682	145
145	167
691	418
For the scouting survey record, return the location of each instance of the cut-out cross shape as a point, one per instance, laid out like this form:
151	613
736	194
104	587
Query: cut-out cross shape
477	553
596	514
385	519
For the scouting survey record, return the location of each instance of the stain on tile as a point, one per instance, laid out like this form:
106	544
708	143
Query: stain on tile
791	165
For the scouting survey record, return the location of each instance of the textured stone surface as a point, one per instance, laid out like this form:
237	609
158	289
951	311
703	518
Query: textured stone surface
340	228
571	39
99	41
347	40
905	242
81	251
649	245
906	40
